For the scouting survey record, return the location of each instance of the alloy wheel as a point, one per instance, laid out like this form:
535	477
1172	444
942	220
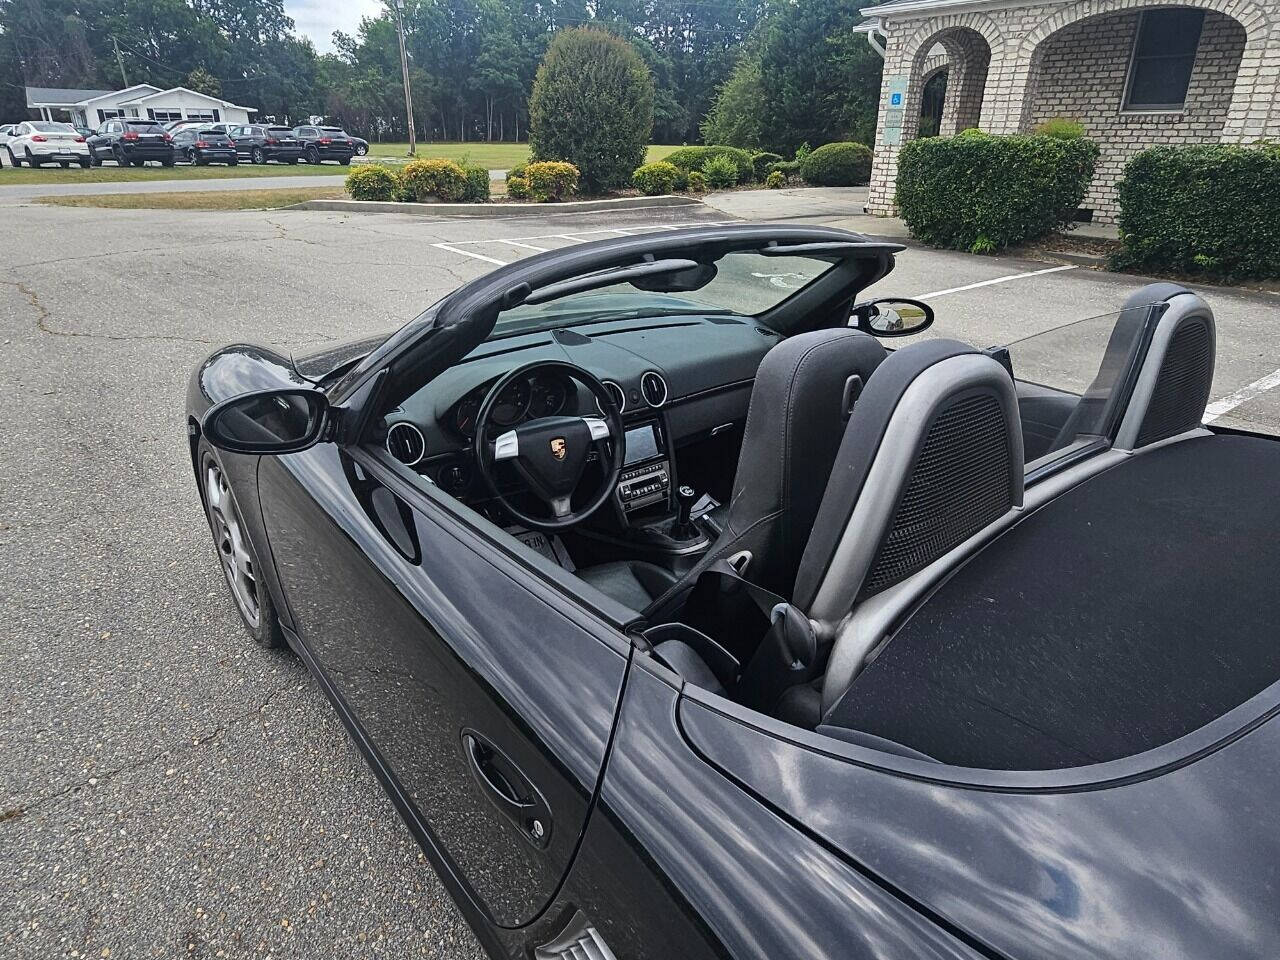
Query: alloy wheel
238	564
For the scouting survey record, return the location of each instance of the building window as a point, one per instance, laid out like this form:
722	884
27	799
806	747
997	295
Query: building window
208	116
164	116
105	115
1164	52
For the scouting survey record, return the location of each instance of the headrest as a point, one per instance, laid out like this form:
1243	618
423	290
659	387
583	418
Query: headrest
931	455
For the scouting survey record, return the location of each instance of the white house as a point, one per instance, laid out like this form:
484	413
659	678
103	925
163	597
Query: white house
88	108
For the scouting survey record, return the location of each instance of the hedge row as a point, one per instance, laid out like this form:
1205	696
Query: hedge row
982	193
1212	210
831	165
435	178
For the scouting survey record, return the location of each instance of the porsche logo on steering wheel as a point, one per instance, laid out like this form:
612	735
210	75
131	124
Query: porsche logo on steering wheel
558	448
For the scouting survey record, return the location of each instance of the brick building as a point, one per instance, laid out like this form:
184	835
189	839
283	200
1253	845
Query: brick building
1136	73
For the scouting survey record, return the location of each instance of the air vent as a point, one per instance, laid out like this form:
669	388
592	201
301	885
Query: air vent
653	388
766	332
405	443
570	338
616	392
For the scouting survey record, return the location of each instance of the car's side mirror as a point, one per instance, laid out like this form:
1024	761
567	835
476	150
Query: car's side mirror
891	317
268	421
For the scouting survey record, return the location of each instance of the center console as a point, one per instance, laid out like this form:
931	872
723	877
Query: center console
645	480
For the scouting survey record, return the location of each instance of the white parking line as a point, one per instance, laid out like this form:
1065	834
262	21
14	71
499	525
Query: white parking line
518	243
988	283
468	253
1246	393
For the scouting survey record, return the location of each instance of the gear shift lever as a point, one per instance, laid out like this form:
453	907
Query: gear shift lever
684	528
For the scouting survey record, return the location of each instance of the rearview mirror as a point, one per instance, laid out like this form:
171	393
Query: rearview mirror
891	317
267	421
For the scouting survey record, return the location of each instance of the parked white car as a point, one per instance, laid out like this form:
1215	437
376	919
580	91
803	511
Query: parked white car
37	142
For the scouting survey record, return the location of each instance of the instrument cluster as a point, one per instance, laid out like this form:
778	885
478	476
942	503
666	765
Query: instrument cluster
539	395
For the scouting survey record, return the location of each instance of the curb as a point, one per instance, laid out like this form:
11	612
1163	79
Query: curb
494	209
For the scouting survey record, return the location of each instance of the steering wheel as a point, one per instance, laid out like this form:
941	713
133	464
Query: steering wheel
550	453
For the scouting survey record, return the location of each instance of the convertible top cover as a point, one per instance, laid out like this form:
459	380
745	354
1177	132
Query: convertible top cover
1130	611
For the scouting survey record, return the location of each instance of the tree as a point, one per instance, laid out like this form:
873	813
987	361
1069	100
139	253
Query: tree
735	117
202	81
592	105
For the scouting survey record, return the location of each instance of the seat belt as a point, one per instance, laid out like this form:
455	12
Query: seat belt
775	639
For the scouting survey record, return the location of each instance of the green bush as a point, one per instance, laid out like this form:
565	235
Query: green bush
775	180
433	178
734	117
476	189
592	105
697	158
837	165
721	172
654	179
1061	127
551	181
696	182
762	163
788	168
1212	210
517	187
982	193
371	181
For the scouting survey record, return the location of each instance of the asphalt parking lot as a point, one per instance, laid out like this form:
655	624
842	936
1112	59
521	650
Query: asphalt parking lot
166	788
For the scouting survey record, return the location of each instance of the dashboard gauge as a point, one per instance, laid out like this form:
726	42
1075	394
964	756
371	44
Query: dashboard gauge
464	416
549	396
513	403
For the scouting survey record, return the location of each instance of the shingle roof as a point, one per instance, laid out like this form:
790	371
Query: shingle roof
60	95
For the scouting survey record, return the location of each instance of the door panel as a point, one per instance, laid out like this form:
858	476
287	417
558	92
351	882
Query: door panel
479	692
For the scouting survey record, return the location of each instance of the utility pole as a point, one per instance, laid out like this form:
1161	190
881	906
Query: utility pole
404	71
120	63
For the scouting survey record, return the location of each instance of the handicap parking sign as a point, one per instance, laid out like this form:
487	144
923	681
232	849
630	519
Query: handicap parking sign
895	99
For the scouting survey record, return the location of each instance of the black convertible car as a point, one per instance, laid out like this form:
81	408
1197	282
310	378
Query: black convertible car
681	618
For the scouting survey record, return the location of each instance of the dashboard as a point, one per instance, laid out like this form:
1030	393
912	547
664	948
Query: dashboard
675	379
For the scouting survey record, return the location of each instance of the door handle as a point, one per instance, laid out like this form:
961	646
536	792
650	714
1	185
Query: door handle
507	788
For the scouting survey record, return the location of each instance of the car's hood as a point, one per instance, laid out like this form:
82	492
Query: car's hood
1182	864
319	364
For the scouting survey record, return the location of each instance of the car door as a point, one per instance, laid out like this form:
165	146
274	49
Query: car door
485	697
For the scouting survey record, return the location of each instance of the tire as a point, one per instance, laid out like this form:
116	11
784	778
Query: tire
119	158
257	156
65	164
292	161
249	595
139	163
345	161
94	161
84	164
32	162
197	160
313	156
234	162
13	161
167	163
361	151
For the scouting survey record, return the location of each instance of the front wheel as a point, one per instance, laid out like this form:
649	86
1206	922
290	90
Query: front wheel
344	161
236	556
233	162
313	156
84	164
258	156
13	161
94	161
361	150
32	161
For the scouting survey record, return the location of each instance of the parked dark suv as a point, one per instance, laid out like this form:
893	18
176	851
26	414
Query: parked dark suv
258	144
319	144
198	147
131	142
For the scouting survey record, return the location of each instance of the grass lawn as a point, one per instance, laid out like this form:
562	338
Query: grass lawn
114	174
495	156
200	200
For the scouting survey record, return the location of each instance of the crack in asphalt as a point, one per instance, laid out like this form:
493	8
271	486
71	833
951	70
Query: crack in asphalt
17	813
43	315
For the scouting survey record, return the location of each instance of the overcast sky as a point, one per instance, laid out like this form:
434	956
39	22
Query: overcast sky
318	19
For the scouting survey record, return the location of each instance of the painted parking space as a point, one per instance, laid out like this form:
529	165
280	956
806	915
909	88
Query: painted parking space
500	251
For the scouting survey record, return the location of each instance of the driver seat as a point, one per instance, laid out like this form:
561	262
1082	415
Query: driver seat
800	402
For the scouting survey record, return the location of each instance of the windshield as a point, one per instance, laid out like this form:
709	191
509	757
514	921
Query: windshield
745	283
52	127
1073	380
